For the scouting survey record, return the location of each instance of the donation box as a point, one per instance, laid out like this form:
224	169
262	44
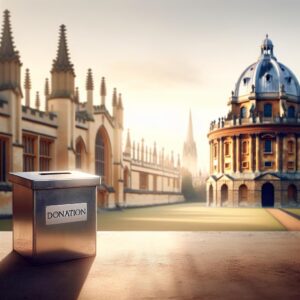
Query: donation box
54	215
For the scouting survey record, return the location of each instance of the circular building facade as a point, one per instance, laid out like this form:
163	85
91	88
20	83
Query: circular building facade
255	149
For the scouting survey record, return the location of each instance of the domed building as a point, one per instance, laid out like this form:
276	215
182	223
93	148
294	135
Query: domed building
255	149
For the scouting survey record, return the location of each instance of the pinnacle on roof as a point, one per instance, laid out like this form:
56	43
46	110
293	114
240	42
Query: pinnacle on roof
77	95
89	80
46	87
128	142
62	61
120	104
103	87
27	82
114	99
37	101
7	48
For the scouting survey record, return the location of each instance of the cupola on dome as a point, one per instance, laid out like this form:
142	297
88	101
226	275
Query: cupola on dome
267	77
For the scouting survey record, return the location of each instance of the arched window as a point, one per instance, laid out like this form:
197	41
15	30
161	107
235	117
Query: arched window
243	112
291	112
268	110
100	156
245	147
268	146
210	195
79	153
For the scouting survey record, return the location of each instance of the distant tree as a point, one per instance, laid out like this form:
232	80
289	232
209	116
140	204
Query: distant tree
187	188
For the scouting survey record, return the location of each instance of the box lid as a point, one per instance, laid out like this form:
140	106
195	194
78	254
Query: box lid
54	179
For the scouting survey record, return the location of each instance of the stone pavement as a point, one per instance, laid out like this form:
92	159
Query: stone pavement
288	221
163	265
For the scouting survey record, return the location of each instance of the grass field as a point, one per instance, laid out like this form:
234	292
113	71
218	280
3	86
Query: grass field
183	217
295	211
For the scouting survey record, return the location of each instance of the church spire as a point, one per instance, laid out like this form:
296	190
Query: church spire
62	73
103	91
62	61
190	136
7	48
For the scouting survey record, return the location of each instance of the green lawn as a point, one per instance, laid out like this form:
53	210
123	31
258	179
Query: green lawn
295	211
183	217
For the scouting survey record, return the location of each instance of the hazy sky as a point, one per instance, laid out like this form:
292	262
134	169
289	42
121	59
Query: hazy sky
165	57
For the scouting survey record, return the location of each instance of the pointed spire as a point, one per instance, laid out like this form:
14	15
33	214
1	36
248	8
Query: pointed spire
133	150
62	61
27	81
27	87
46	91
37	101
120	104
172	158
114	98
154	154
190	136
103	87
178	161
7	48
128	143
77	95
89	80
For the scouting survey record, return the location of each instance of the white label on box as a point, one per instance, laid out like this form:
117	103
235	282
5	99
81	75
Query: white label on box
66	213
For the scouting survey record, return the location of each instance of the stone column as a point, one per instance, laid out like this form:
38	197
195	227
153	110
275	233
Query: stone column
233	154
278	153
238	154
211	157
222	155
298	152
251	153
219	155
257	153
284	154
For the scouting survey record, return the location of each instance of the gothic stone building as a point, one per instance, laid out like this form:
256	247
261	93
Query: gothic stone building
71	134
255	149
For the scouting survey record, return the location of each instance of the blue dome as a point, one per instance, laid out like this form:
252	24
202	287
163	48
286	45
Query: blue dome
267	77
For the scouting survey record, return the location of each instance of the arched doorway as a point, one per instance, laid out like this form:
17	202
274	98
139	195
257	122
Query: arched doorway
243	193
224	193
267	195
292	193
210	195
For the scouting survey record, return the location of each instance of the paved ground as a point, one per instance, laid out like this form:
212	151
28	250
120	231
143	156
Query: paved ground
287	220
163	265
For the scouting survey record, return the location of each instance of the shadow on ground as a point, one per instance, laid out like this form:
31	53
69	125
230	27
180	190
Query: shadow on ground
55	281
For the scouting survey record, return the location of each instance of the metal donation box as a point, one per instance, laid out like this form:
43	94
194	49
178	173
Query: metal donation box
54	215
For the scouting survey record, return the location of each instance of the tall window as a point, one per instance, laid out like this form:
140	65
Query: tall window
268	110
143	181
3	159
154	183
45	155
268	146
291	112
245	147
227	149
100	157
243	112
290	147
28	153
